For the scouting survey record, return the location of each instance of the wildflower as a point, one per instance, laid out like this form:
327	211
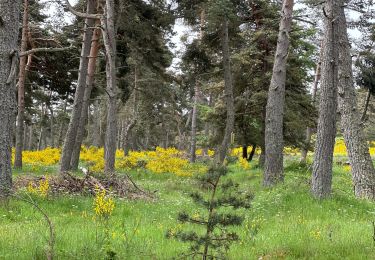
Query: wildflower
103	205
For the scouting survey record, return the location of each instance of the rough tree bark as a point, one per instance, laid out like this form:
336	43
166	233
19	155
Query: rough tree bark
21	88
9	13
228	91
95	47
108	24
273	170
71	134
326	131
359	157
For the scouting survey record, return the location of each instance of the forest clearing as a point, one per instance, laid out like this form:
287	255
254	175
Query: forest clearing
187	129
282	223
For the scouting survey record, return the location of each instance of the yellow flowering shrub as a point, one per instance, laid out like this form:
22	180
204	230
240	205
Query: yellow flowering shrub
47	157
243	163
39	190
103	204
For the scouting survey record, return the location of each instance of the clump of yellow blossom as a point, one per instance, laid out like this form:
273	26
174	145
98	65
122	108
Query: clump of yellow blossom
103	204
244	163
40	190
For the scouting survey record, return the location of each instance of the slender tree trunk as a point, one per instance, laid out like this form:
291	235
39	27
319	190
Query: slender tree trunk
326	132
359	157
229	100
41	129
273	170
262	156
253	149
96	133
71	134
108	24
244	152
9	15
193	138
21	88
309	130
368	97
52	126
95	47
62	124
31	137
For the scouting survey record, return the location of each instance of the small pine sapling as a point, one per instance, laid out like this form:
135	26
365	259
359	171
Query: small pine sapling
214	240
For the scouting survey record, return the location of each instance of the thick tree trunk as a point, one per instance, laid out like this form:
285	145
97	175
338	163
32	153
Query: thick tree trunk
326	132
110	48
71	134
9	15
229	100
309	130
21	89
359	157
273	170
95	47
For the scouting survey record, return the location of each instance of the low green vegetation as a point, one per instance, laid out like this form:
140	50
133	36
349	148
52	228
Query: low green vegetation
283	223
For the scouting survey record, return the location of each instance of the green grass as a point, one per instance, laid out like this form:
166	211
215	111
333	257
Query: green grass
283	223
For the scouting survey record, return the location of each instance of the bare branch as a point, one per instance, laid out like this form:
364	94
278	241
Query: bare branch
32	51
83	15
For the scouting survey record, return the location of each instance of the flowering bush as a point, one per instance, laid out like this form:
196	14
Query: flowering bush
47	157
40	190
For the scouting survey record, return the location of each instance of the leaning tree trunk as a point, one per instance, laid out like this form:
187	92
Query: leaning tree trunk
95	46
229	100
273	170
108	24
71	134
326	132
9	14
359	157
21	89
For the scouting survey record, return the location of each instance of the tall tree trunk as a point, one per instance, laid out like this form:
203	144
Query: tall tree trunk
96	133
21	88
9	15
273	170
108	24
62	124
95	47
367	102
52	126
31	137
309	130
326	132
229	100
359	157
193	138
253	149
71	134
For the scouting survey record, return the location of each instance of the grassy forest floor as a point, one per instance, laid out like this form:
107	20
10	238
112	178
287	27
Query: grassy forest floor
283	223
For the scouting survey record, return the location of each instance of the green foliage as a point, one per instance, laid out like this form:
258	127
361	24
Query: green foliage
216	239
